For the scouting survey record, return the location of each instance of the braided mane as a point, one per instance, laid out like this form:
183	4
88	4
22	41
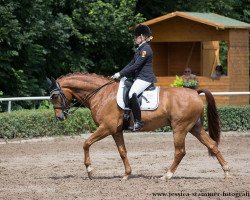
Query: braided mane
84	74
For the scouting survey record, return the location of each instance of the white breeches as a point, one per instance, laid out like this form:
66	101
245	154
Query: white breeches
138	87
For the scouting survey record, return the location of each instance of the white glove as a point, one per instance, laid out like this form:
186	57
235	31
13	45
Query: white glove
116	76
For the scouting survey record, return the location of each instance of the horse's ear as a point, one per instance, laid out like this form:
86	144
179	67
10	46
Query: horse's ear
54	84
52	79
49	82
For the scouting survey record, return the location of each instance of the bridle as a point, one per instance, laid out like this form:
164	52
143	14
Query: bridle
65	103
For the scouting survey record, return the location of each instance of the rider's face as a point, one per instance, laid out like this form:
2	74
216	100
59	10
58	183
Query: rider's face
139	39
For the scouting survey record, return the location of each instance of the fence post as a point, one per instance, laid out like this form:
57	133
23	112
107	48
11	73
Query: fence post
9	106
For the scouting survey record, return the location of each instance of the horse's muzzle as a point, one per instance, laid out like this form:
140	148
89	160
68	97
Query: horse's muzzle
61	117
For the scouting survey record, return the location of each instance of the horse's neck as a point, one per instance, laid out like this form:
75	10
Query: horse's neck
82	86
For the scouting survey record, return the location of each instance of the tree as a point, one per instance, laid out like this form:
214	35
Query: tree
102	32
10	44
237	9
42	38
30	34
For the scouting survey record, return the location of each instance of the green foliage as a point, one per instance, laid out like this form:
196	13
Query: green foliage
105	36
1	94
42	38
23	54
235	118
38	123
237	9
179	82
42	122
55	37
45	105
223	55
190	83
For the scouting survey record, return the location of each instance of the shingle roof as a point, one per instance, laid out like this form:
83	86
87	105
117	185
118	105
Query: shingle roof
211	19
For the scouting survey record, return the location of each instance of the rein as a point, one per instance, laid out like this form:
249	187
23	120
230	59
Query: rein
66	107
85	99
95	91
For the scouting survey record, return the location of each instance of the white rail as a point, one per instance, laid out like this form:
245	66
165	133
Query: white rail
47	97
21	99
24	98
227	93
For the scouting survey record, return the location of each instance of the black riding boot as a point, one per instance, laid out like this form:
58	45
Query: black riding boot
136	110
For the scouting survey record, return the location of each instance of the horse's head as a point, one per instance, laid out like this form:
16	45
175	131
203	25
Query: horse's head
60	102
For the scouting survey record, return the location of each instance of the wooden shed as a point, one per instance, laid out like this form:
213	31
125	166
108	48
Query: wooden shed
192	39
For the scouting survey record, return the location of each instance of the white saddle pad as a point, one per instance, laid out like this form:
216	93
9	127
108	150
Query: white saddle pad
151	96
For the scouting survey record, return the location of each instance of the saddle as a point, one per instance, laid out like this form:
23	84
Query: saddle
148	100
127	86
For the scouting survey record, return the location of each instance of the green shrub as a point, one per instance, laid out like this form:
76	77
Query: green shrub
37	123
1	94
179	82
42	122
235	118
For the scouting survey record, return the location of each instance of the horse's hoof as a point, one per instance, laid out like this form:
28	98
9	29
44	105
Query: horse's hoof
226	169
125	177
227	175
90	175
90	172
167	176
163	178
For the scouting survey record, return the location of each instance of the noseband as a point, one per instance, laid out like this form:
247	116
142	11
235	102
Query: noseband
65	104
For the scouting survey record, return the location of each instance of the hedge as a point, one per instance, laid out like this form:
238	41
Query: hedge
42	122
234	118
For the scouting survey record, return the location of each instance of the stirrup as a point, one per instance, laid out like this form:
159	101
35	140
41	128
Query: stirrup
136	127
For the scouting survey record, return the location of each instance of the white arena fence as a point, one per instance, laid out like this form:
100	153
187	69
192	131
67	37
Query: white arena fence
47	97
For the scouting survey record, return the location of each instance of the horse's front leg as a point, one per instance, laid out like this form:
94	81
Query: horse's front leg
99	134
119	140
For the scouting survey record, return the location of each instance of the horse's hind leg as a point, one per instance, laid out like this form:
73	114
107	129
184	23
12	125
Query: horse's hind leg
179	144
119	140
99	134
212	146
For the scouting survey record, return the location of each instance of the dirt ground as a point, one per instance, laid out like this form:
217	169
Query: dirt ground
52	168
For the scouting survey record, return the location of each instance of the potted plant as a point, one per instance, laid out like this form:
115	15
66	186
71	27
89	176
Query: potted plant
190	84
179	82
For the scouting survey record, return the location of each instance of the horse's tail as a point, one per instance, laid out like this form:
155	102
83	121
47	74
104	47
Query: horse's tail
212	117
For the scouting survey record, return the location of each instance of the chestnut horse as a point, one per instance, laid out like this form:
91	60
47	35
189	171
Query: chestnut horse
181	108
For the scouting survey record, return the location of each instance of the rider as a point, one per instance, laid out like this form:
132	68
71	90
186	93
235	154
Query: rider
140	68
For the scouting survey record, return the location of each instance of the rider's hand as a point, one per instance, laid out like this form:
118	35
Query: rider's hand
116	76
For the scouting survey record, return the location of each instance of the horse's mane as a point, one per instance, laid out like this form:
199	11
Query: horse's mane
84	74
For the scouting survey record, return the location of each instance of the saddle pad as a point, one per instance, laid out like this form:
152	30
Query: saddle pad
151	96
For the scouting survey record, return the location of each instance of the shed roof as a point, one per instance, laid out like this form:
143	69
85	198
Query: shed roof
210	19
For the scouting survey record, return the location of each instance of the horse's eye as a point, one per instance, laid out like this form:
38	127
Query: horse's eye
54	97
